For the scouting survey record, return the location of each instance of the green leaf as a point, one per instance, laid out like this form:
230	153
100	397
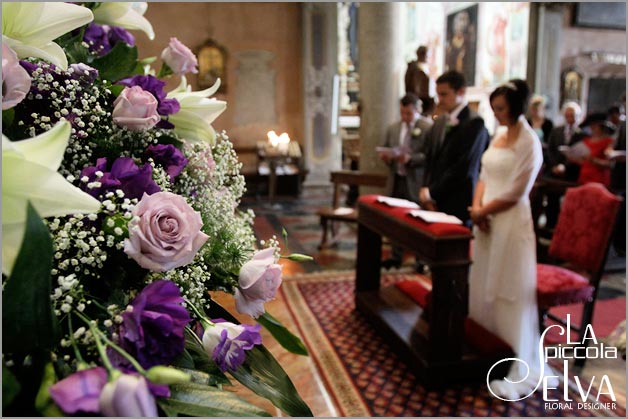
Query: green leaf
116	89
43	400
193	399
117	63
262	374
27	318
10	387
288	340
284	234
7	117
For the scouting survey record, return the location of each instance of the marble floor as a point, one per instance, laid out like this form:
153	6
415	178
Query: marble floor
302	370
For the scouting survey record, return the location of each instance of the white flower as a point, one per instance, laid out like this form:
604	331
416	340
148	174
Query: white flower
198	111
126	15
29	28
416	132
29	173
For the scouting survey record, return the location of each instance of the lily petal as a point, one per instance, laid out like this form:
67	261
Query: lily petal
29	28
125	15
192	127
184	87
29	173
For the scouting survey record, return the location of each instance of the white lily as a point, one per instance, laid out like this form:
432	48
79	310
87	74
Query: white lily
29	173
29	28
198	111
128	15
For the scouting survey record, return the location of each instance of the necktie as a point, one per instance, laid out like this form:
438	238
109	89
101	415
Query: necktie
405	145
568	134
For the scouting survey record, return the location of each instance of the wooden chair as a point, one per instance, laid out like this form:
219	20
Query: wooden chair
330	215
582	238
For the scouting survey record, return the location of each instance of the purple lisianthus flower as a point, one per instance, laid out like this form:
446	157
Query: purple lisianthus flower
80	392
226	342
84	72
155	86
124	174
102	38
152	329
170	157
128	396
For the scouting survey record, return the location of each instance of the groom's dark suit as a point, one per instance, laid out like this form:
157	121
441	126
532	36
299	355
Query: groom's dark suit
453	161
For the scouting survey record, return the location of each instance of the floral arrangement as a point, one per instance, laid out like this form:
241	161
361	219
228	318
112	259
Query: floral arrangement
119	215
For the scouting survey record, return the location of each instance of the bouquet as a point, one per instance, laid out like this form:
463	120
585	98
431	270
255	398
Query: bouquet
119	215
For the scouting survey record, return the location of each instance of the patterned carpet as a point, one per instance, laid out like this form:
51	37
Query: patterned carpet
365	377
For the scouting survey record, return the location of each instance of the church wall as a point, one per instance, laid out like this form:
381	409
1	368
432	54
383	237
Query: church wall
263	41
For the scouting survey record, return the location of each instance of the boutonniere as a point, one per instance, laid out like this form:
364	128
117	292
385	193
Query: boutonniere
416	132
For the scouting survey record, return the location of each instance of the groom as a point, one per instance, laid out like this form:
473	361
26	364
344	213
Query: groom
456	143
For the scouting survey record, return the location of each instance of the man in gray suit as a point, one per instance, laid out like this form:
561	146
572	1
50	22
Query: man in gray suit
405	156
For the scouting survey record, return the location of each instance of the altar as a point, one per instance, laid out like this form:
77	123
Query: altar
437	340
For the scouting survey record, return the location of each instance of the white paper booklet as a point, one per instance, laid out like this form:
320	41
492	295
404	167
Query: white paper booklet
576	151
435	217
397	202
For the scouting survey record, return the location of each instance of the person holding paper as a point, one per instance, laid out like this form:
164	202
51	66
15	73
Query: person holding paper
403	151
456	143
502	278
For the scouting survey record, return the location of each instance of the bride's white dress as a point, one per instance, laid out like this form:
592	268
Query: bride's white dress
502	281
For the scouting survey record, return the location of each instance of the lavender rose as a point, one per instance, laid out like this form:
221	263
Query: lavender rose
259	280
16	82
128	396
226	342
179	58
156	87
80	391
165	232
135	109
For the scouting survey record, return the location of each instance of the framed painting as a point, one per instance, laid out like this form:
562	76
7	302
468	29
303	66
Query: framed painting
461	42
212	65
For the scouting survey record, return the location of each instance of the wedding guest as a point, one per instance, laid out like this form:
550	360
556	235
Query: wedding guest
502	279
405	141
596	166
537	120
557	166
455	145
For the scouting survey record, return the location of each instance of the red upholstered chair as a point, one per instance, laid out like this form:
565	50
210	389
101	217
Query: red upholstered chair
581	239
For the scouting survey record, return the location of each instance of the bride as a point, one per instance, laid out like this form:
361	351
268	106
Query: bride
502	295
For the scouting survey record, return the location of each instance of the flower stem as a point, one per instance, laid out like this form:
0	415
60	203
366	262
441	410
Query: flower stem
101	349
125	354
77	353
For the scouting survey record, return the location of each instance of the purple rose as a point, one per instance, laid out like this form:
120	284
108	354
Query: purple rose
156	87
128	396
133	180
258	282
167	233
80	391
170	157
152	329
226	342
135	109
16	82
179	58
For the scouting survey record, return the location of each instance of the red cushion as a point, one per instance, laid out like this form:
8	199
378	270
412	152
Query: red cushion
403	214
584	227
557	286
476	336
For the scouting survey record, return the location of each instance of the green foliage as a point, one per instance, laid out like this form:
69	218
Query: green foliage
10	387
117	63
192	399
288	340
262	374
27	318
7	117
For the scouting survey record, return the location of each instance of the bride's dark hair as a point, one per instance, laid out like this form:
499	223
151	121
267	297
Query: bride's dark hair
516	92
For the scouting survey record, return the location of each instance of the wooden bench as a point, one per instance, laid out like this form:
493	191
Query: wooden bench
330	215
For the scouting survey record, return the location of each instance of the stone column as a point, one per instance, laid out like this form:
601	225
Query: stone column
546	58
323	148
381	70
